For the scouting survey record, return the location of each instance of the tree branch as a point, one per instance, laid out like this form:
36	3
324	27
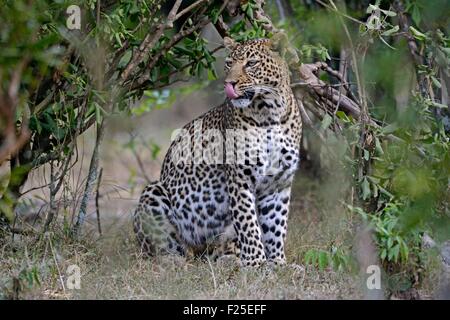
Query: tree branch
149	42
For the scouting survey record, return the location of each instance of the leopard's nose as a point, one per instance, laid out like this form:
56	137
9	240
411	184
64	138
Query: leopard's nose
233	83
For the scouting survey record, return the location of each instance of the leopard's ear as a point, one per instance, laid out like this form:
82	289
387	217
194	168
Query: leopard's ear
229	43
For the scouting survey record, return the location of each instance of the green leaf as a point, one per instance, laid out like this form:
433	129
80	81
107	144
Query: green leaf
183	51
341	115
390	243
439	105
125	59
383	254
175	63
250	12
389	13
417	34
378	147
154	74
326	122
394	253
436	82
390	128
212	74
239	26
371	8
119	41
366	155
416	15
375	190
98	114
404	252
365	187
390	31
215	15
446	50
37	123
309	257
323	260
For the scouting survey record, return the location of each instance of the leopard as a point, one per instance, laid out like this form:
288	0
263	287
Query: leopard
226	179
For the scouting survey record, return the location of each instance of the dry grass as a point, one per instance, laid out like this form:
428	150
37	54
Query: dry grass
112	269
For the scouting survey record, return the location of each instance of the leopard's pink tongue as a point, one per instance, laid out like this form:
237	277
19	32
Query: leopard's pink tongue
229	91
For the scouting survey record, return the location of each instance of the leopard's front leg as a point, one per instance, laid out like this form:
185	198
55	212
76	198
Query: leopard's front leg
246	226
273	211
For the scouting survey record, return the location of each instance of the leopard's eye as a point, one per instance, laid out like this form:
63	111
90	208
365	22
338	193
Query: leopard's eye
251	63
228	64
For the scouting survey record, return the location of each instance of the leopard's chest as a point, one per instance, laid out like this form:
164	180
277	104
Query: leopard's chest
269	157
278	167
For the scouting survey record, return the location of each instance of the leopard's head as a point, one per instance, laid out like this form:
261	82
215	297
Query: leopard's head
253	68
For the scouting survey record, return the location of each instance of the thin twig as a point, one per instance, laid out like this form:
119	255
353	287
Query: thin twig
97	195
189	8
56	264
335	9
